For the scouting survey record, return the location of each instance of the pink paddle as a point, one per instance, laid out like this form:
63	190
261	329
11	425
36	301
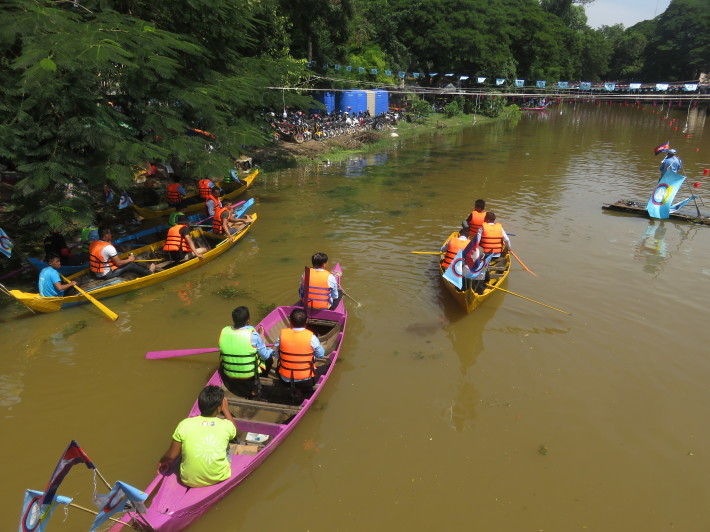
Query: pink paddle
154	355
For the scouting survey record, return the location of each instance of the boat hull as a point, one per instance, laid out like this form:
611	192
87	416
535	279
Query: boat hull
117	286
153	213
173	506
468	299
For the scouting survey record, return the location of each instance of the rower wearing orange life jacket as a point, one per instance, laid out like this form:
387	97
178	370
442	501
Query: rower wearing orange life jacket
475	219
205	187
176	193
453	246
105	263
298	348
321	287
178	242
213	201
491	236
223	223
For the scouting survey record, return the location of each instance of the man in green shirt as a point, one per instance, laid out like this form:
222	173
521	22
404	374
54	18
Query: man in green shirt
203	442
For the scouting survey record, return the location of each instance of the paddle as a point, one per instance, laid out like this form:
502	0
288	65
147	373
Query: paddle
348	295
521	263
234	205
427	252
110	314
155	355
513	293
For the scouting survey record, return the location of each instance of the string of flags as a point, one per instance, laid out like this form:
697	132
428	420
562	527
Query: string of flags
520	83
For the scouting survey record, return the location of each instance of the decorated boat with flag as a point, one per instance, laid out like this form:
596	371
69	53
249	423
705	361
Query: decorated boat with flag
165	269
163	209
469	292
262	424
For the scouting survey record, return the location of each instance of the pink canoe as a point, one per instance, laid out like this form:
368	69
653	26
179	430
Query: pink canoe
261	426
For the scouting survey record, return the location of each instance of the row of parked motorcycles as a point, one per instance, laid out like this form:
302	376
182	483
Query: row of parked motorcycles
296	127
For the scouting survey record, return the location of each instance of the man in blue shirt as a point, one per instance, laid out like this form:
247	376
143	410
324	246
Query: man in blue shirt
50	283
671	162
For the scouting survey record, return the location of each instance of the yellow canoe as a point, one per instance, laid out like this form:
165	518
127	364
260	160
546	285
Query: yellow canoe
162	210
118	285
467	298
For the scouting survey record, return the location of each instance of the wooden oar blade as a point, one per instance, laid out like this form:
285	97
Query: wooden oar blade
155	355
110	314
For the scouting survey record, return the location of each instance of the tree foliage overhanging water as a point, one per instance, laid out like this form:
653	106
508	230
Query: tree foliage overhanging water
92	90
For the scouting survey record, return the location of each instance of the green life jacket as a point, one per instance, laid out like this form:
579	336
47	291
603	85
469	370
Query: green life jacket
238	357
85	234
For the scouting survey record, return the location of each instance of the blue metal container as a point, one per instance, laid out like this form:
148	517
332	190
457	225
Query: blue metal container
382	101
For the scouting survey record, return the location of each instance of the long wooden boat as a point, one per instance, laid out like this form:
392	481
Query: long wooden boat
162	209
132	240
467	298
165	270
262	424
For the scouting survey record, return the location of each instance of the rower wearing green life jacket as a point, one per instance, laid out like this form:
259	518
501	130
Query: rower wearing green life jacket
322	287
243	355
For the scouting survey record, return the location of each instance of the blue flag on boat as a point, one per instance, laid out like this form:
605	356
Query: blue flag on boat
121	496
659	204
72	456
454	273
5	244
35	515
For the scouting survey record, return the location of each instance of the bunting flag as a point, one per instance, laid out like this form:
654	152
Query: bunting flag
389	73
540	84
349	68
123	497
634	86
661	86
662	148
373	71
500	81
563	84
400	74
585	85
5	244
659	204
454	273
433	74
463	78
519	82
72	456
690	87
336	67
481	80
609	86
360	70
678	206
449	74
125	200
35	515
325	66
416	75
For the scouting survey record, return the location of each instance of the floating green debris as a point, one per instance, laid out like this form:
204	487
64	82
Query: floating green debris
230	292
543	450
73	328
265	309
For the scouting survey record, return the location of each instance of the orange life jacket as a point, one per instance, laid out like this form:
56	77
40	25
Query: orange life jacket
318	290
217	220
97	264
173	195
476	222
216	201
296	354
175	241
492	238
204	188
455	245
